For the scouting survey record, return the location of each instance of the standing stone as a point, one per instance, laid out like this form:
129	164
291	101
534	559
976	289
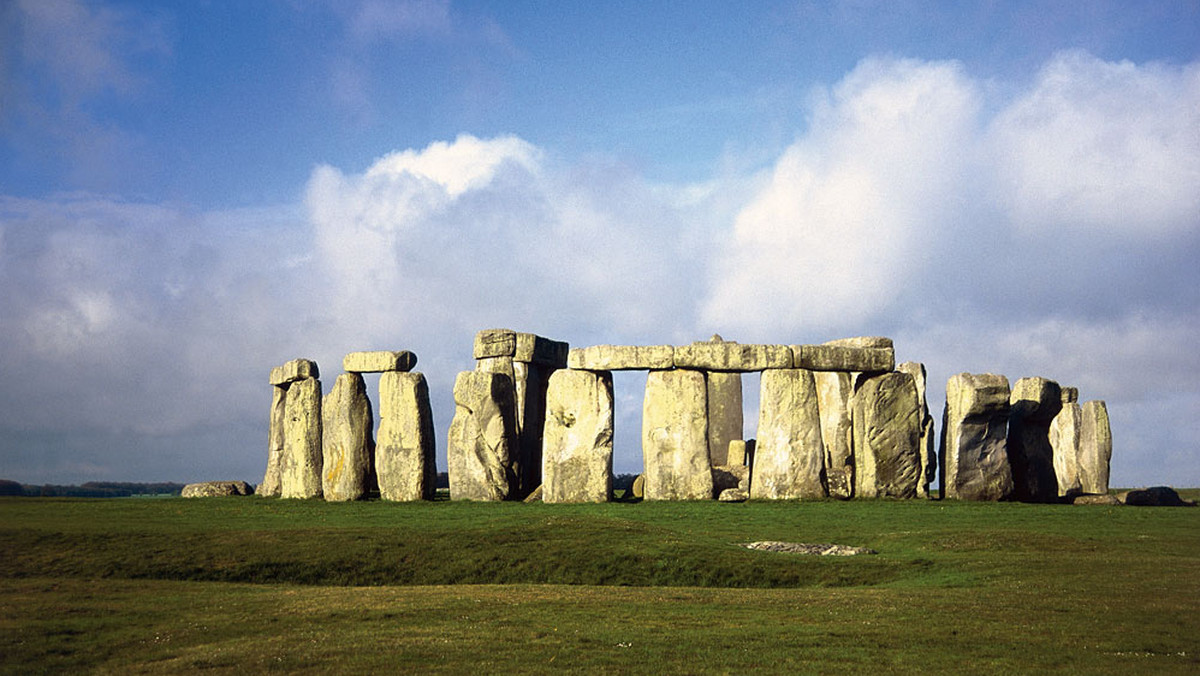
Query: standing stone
1033	404
887	437
577	457
1095	447
789	457
736	454
404	450
348	447
974	430
530	383
482	437
834	392
270	486
1064	443
300	471
675	436
929	460
724	414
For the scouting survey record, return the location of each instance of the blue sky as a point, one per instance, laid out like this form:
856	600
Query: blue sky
191	193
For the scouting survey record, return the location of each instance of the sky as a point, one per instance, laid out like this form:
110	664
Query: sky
192	193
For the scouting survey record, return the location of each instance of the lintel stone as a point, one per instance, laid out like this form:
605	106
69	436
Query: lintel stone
379	361
861	341
294	370
534	349
622	358
844	358
728	356
495	343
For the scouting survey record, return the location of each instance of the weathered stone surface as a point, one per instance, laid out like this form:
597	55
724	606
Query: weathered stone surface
844	358
300	467
834	392
1095	447
530	381
622	357
675	437
724	414
806	548
495	343
348	446
1070	395
380	361
296	369
1064	443
730	476
736	453
638	489
578	442
733	495
1096	500
917	370
929	461
862	341
1155	496
1033	404
534	496
405	445
789	457
270	486
217	489
887	436
729	356
482	437
534	349
974	435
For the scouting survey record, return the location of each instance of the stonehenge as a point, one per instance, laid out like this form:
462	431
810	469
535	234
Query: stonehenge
534	420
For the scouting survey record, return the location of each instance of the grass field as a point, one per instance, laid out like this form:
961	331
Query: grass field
252	584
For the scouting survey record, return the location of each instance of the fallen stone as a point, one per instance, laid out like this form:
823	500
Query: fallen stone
379	362
1156	496
578	442
1105	499
534	349
294	370
844	358
495	343
1064	444
300	466
405	445
887	435
622	358
270	486
724	414
1033	404
834	392
482	437
810	549
730	476
789	456
217	489
735	357
974	438
534	496
1095	447
347	444
675	437
733	495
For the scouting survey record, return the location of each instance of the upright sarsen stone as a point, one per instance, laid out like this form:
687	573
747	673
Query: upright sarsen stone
724	414
578	450
271	483
929	461
348	447
1032	406
1095	447
405	446
300	471
887	435
974	432
675	437
1064	443
834	392
482	437
789	456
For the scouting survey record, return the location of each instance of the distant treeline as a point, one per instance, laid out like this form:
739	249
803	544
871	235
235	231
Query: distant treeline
91	489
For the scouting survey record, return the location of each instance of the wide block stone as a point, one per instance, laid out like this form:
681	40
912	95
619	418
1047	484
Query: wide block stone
789	456
1095	447
482	437
534	349
380	361
887	435
404	449
495	343
271	483
622	357
578	441
844	358
348	446
973	452
862	341
675	437
834	392
1064	443
296	369
1033	404
724	414
728	356
300	468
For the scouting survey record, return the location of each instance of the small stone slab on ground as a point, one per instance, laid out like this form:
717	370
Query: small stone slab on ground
811	549
217	489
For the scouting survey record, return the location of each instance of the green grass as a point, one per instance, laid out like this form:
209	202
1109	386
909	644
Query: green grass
255	584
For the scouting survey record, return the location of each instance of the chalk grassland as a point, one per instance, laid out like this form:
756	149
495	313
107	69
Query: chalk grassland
249	584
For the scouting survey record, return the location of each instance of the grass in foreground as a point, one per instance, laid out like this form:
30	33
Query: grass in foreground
178	584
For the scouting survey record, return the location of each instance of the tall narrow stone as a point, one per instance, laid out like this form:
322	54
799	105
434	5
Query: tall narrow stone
1064	442
675	437
929	460
578	439
834	392
1033	404
887	436
300	471
404	449
724	414
348	447
789	457
530	383
974	431
482	437
1095	447
270	486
